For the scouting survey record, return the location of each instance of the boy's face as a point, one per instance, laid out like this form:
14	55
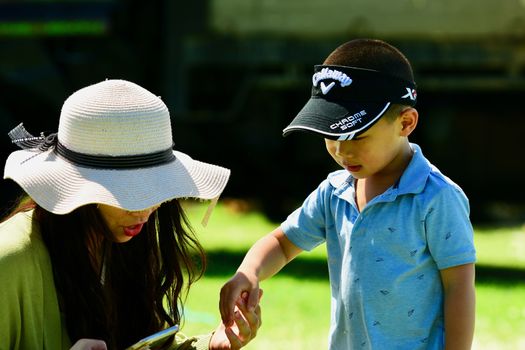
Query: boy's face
376	152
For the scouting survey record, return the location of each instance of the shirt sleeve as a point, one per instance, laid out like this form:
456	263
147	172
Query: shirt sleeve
449	232
306	226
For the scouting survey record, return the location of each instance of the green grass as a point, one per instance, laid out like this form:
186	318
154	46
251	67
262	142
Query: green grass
500	288
500	316
296	302
501	246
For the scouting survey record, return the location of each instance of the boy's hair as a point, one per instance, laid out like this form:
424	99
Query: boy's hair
372	54
377	55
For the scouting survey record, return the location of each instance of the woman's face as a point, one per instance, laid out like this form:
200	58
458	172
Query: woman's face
124	224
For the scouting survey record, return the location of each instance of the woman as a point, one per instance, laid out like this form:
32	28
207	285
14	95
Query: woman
99	254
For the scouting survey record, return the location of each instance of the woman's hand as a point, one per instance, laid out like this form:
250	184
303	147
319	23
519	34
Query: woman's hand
89	344
244	329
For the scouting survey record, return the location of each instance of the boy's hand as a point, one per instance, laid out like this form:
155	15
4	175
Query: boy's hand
239	286
243	330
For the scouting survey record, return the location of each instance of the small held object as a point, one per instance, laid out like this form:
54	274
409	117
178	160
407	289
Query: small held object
154	340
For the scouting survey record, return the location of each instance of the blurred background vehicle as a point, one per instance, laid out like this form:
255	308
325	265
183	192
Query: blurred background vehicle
234	72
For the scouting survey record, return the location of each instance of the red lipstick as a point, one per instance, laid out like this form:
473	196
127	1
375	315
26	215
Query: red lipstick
132	231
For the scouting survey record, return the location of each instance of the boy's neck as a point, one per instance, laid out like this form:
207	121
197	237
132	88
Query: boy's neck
368	188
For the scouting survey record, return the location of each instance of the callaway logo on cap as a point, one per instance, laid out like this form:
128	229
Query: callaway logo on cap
346	101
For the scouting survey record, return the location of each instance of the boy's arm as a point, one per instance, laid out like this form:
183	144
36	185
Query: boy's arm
460	302
264	259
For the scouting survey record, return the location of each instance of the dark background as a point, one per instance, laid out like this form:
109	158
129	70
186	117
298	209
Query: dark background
234	73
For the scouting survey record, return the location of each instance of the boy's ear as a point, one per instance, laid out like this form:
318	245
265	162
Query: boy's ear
408	119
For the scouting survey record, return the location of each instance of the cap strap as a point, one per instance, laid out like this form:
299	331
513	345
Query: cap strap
207	215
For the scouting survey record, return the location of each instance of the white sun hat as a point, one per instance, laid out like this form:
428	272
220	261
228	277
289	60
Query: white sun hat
114	146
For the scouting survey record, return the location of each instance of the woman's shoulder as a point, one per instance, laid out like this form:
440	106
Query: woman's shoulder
19	238
30	314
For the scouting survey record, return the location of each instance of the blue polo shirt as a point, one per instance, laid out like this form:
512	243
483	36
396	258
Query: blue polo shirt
384	262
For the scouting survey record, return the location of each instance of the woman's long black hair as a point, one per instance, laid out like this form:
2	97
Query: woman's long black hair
145	279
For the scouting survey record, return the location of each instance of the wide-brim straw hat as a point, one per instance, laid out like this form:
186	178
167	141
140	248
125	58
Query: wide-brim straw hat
114	146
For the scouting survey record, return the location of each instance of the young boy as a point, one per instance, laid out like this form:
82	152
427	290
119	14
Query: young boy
399	240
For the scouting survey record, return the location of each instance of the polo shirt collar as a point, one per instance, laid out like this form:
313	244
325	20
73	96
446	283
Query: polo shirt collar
412	180
415	176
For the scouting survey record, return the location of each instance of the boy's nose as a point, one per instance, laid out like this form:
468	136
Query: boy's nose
343	150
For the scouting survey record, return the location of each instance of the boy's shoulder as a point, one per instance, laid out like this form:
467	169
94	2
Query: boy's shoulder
421	175
441	180
428	184
443	189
